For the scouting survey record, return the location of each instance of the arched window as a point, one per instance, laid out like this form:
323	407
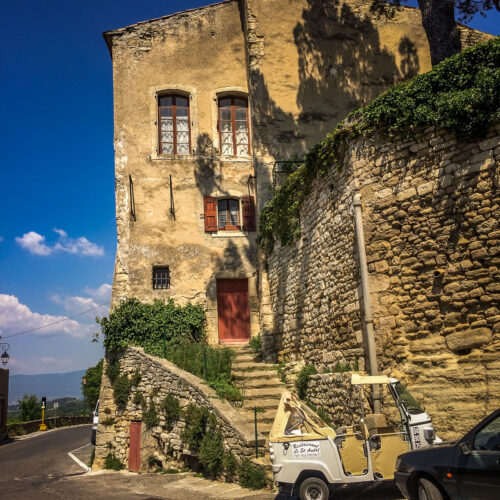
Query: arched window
174	125
233	126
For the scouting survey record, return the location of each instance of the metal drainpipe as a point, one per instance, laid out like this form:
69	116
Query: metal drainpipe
367	307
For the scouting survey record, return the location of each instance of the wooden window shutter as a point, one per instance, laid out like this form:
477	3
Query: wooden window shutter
210	207
248	210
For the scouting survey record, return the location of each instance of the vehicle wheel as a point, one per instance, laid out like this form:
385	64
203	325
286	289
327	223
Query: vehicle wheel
313	488
427	490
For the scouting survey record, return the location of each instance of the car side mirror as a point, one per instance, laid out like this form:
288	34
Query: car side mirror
464	448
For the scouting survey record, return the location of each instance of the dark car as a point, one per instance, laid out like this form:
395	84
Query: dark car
467	469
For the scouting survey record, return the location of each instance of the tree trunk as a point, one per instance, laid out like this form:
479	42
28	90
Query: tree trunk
438	20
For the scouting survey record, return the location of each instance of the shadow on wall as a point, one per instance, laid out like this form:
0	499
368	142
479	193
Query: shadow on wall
342	66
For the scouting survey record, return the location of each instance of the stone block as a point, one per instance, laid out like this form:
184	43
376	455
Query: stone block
468	339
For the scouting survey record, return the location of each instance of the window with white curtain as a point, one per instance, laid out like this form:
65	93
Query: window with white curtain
174	124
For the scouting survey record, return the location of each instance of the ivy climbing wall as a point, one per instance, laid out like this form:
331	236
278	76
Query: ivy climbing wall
431	212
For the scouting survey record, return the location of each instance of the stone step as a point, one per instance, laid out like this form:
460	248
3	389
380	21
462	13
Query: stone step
255	374
257	384
262	393
247	365
266	404
244	358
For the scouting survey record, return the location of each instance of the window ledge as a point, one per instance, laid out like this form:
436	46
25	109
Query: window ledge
230	234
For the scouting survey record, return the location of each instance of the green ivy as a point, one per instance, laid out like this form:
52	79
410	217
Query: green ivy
229	465
152	325
225	388
251	476
460	94
171	409
113	369
136	378
121	391
112	462
255	344
196	419
211	453
150	416
303	379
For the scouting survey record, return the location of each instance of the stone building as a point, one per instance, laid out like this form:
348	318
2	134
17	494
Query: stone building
207	104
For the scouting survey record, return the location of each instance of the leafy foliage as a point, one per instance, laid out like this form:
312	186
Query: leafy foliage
113	369
212	453
150	416
121	391
460	94
138	398
91	389
111	462
136	378
225	388
251	476
30	408
303	379
256	344
171	409
229	465
196	418
147	325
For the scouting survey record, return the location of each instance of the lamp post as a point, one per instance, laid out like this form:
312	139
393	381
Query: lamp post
5	355
84	381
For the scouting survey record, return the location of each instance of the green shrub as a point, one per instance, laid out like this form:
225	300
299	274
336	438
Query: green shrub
121	391
255	344
91	459
196	418
150	416
113	370
138	398
460	94
136	378
303	379
111	462
251	476
171	409
211	453
108	421
148	325
229	465
341	367
225	388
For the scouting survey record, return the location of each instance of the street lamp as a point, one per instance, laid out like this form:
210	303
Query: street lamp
5	356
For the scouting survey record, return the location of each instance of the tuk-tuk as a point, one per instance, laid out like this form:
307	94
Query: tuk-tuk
310	456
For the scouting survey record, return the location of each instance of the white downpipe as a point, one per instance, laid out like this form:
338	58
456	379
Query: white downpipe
367	307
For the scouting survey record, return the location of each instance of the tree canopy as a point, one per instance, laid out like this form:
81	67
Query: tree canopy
91	389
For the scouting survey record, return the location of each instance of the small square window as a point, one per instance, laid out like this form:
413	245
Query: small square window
161	278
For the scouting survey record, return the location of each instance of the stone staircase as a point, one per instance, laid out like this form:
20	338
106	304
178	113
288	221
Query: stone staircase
260	386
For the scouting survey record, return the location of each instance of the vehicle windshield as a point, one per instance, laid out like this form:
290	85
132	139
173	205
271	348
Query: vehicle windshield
408	400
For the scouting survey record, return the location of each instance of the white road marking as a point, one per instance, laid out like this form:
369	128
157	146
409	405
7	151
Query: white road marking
79	462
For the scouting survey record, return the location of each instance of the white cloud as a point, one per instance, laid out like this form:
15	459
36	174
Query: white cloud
101	294
16	317
35	244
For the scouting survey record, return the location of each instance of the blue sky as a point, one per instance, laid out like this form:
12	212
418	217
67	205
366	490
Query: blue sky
57	221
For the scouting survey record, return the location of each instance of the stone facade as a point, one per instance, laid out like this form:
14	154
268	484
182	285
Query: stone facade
431	212
302	65
159	377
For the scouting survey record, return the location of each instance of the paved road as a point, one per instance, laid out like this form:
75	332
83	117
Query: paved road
28	464
39	468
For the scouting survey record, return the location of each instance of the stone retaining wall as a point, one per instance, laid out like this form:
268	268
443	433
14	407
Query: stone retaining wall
158	378
431	212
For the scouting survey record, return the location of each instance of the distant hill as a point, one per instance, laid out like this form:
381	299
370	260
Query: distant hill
67	406
50	385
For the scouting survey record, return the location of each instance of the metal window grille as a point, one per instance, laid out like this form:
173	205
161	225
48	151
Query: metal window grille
161	278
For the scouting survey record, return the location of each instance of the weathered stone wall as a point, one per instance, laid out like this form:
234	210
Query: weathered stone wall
158	378
431	211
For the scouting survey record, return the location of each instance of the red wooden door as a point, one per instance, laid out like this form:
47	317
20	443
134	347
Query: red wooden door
233	310
134	455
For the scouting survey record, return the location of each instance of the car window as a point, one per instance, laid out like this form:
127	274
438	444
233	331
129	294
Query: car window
488	438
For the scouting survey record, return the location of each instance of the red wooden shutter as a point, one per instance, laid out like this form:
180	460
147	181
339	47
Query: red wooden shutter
210	206
248	209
